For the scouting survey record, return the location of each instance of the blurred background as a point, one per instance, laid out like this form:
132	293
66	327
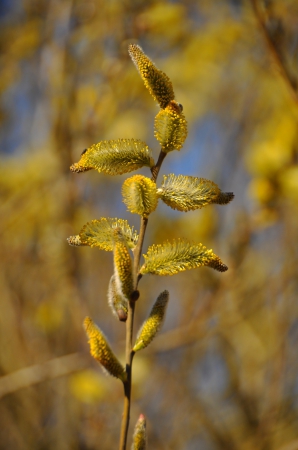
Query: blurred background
222	374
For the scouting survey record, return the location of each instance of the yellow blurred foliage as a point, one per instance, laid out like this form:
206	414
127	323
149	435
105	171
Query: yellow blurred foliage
273	147
23	42
264	217
142	366
261	189
166	19
89	386
269	157
289	182
48	316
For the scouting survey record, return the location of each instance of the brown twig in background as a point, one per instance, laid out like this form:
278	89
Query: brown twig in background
38	373
274	53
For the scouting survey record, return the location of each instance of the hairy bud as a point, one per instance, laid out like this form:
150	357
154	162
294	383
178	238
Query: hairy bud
140	435
117	301
170	127
156	81
154	322
139	195
101	351
122	265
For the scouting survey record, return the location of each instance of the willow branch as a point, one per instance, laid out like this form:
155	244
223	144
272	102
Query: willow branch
138	249
127	385
130	318
144	221
275	55
155	170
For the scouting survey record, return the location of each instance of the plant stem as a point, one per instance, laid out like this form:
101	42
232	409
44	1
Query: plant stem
155	170
138	250
127	384
129	354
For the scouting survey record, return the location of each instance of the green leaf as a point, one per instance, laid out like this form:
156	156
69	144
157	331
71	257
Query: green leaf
115	157
187	193
99	233
156	81
170	127
139	195
154	322
177	256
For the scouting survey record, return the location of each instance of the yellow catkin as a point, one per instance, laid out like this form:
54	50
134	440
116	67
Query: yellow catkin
177	256
140	195
170	127
122	265
187	193
99	233
140	434
101	351
154	322
156	81
115	157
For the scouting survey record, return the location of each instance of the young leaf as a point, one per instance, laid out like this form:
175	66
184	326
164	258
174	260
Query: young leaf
122	265
115	157
177	256
117	301
154	322
156	81
140	435
139	195
187	193
99	233
101	351
170	127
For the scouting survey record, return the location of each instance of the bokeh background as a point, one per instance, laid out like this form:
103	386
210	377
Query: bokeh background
223	372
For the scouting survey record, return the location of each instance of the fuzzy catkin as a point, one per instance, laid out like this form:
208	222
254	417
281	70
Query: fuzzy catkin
156	81
140	195
154	322
101	351
140	434
122	265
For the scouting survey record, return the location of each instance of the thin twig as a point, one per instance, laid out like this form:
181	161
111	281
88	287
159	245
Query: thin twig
275	55
130	318
54	368
127	384
155	170
138	249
